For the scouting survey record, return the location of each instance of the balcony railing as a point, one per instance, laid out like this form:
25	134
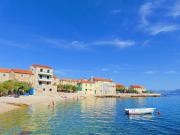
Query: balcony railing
45	79
45	73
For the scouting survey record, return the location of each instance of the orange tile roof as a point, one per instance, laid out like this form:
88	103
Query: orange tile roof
41	66
69	79
22	71
137	86
55	77
85	81
102	79
119	86
5	70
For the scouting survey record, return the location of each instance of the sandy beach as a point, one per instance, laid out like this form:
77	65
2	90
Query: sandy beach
11	103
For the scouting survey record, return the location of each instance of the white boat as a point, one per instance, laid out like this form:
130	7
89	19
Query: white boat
137	111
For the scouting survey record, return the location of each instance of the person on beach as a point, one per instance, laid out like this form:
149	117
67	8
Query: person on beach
53	103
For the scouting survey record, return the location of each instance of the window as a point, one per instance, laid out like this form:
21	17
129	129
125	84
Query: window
4	74
21	75
47	77
48	83
40	83
40	76
44	89
48	71
41	70
50	89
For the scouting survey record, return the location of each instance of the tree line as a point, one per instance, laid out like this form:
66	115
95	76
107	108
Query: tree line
126	90
66	88
14	87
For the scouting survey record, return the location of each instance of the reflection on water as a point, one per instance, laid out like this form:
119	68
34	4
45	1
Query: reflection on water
141	117
93	116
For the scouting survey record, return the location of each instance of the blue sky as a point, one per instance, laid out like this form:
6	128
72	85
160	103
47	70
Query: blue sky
130	41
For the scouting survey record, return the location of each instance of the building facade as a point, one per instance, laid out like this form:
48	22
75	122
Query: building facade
55	80
40	77
68	81
104	86
97	86
138	88
22	76
4	74
43	79
86	87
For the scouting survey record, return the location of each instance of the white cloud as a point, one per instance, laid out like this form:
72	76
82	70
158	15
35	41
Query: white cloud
161	28
104	69
13	44
80	45
146	42
175	10
150	72
171	72
155	72
59	43
149	9
145	10
115	11
116	42
115	72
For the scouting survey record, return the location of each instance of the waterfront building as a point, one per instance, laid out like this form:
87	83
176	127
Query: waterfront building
97	86
86	87
4	74
40	77
16	74
104	86
43	79
120	86
56	80
22	75
68	81
138	88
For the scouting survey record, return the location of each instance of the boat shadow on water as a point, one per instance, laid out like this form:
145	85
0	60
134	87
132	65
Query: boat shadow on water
146	117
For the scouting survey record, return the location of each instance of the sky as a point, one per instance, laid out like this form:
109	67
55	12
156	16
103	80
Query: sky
129	41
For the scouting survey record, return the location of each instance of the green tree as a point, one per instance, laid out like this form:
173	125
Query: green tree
132	91
147	91
3	91
121	89
60	87
13	87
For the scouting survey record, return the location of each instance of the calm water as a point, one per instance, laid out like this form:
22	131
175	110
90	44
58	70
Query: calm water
95	117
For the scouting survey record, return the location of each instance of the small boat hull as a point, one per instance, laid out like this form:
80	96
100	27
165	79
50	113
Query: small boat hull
138	111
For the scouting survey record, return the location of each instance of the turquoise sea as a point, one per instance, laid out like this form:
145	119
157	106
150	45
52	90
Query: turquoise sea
97	116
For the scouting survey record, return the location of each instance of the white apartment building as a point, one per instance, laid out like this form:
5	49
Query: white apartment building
104	86
43	78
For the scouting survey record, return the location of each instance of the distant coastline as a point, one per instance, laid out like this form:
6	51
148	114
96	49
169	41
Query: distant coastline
131	95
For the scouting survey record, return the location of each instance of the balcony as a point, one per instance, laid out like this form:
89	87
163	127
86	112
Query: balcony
45	79
45	73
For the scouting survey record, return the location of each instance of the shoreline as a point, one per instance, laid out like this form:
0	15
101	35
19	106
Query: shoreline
129	95
12	103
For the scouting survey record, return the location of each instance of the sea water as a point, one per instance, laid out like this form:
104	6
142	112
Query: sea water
95	116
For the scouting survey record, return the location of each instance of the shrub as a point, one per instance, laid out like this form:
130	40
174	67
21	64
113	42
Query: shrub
67	88
13	87
121	90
